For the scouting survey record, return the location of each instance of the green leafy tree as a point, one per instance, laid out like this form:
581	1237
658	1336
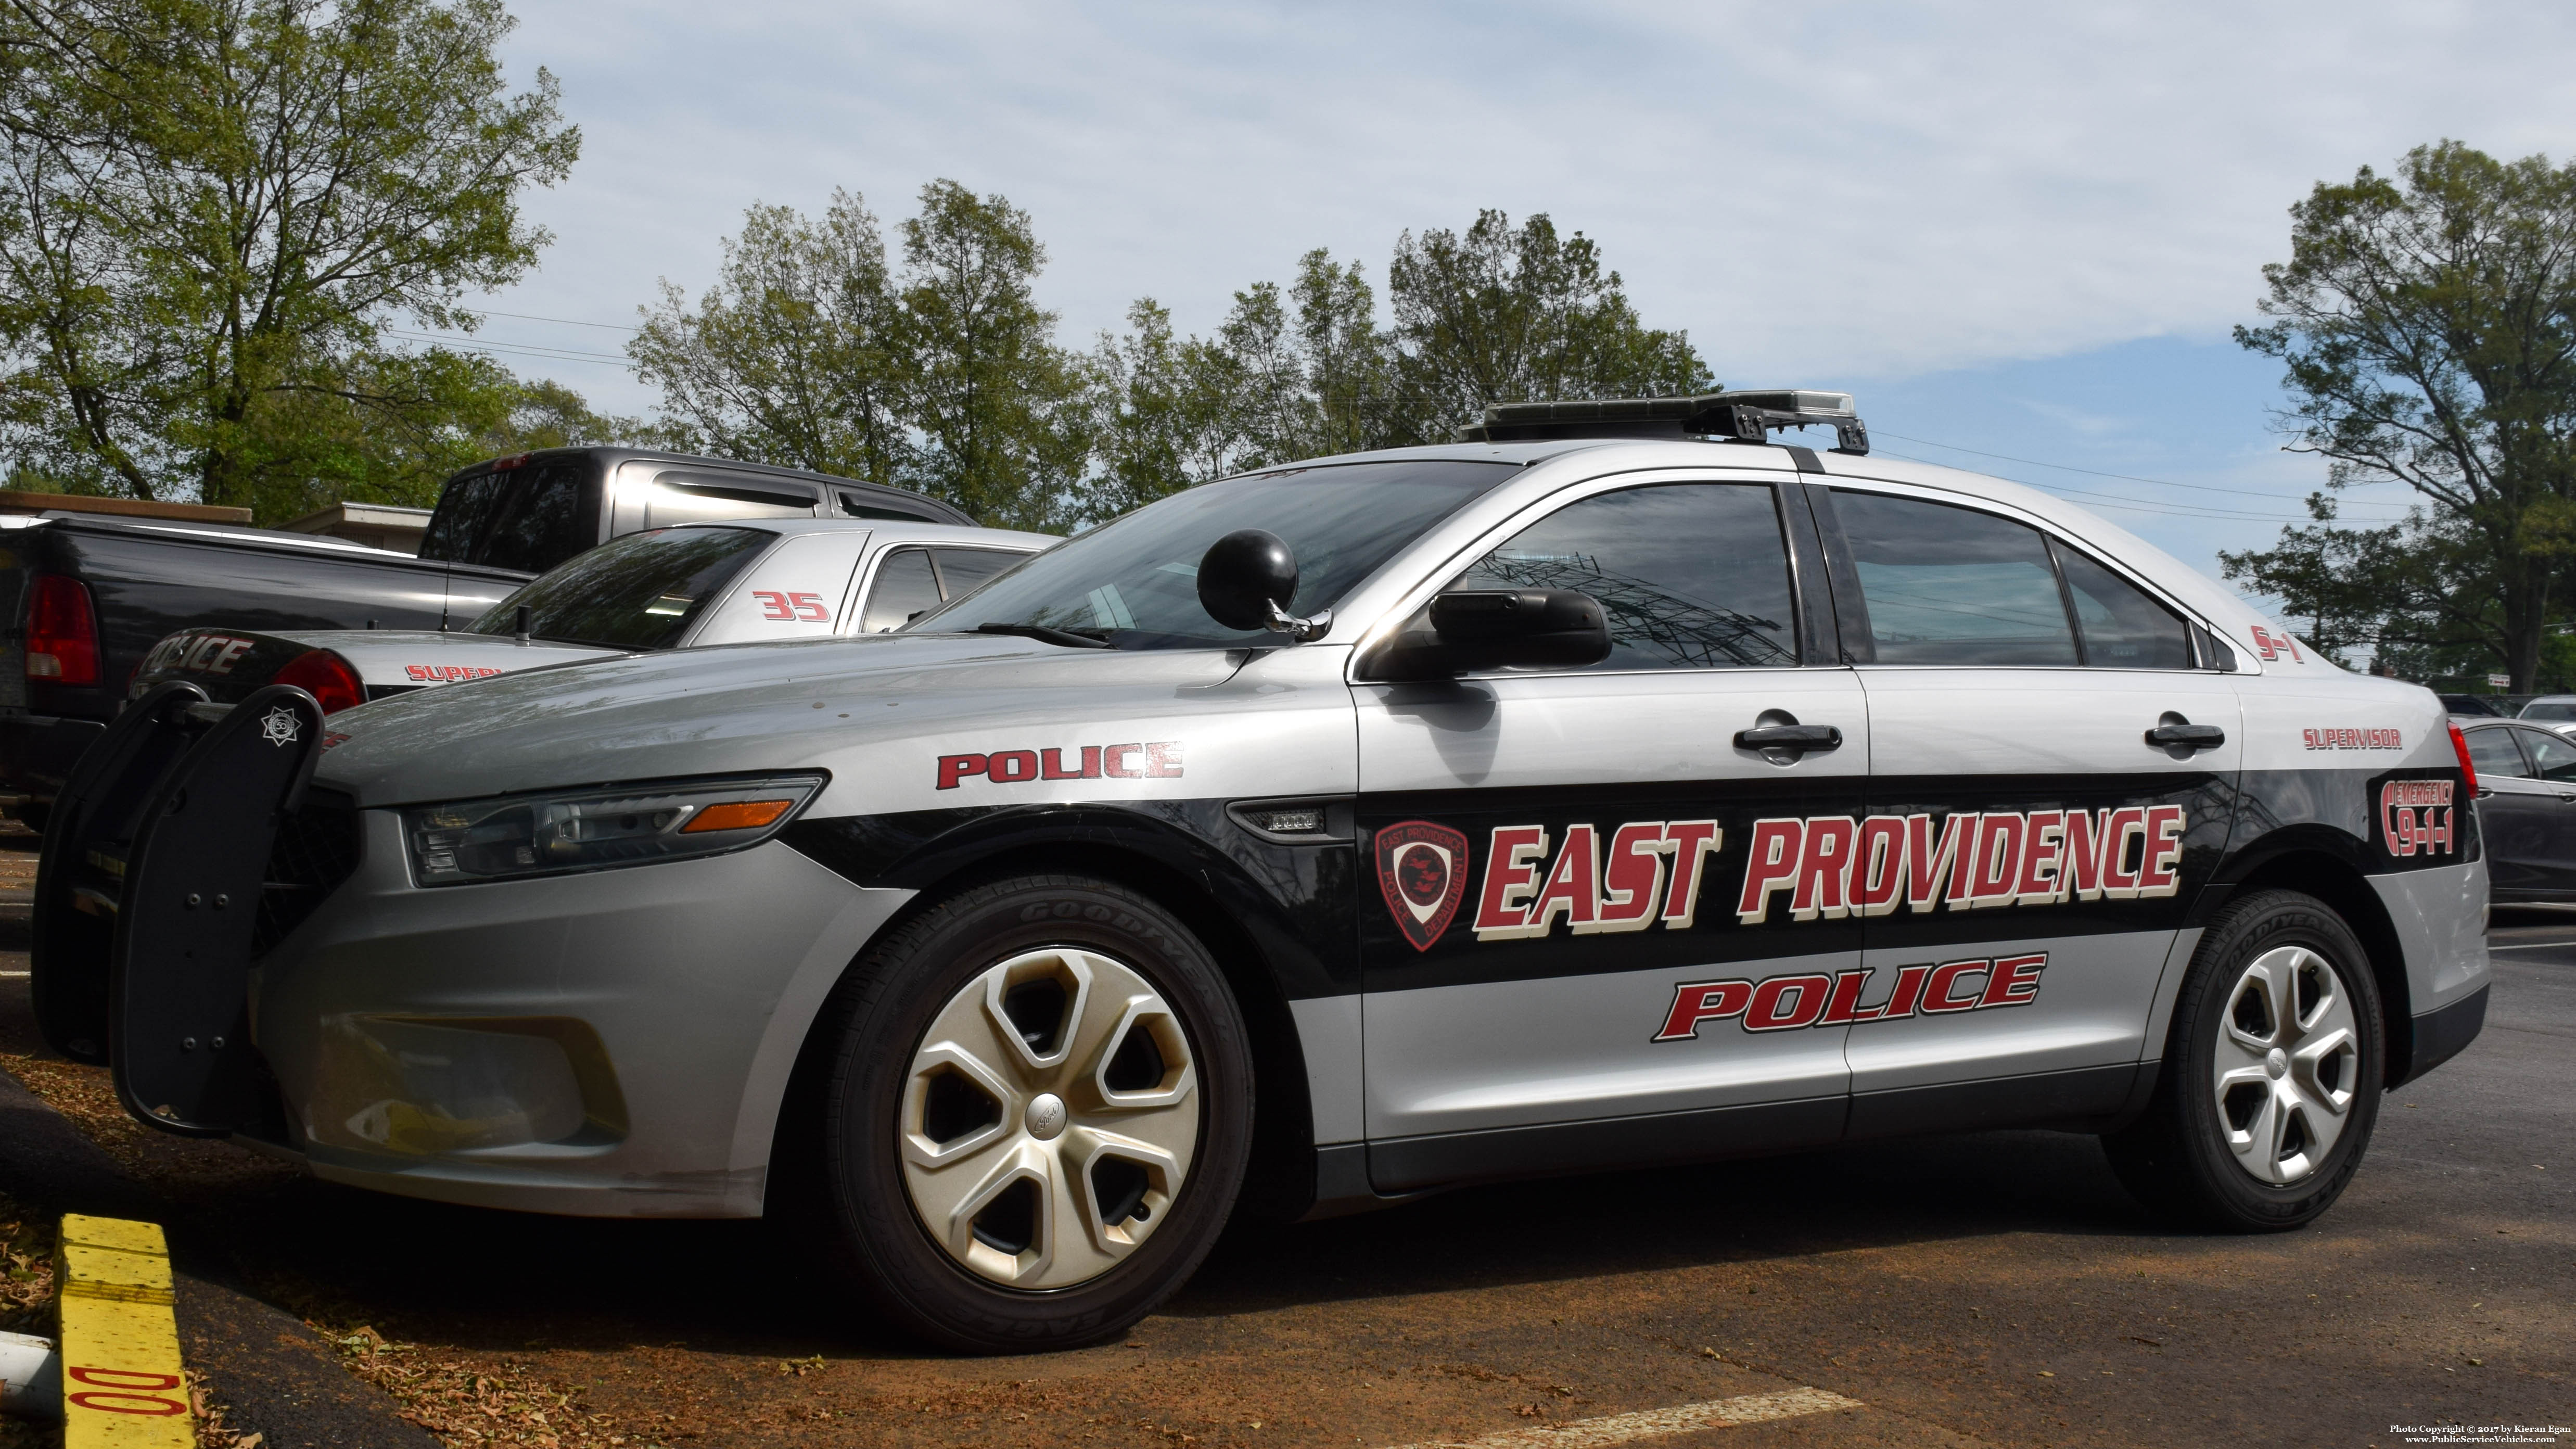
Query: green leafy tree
1499	314
1508	314
1166	413
428	414
796	356
1350	367
1300	374
212	210
1001	409
2427	322
543	414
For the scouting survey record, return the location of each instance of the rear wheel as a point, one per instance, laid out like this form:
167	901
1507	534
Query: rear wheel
1038	1116
2271	1076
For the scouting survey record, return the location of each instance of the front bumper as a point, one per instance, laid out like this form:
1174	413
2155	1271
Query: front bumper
610	1044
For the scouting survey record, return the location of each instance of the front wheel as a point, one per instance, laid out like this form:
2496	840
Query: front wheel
2271	1077
1038	1117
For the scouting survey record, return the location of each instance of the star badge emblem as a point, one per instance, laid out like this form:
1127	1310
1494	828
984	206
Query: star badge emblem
280	727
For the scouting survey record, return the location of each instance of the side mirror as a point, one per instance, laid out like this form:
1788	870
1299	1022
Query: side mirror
1247	580
1473	630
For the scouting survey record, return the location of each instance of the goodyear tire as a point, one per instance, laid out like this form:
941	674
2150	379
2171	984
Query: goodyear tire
1036	1116
2272	1073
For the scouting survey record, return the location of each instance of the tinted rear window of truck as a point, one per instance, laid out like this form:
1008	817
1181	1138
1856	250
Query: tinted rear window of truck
528	519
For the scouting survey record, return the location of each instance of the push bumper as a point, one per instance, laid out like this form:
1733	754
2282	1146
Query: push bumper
609	1044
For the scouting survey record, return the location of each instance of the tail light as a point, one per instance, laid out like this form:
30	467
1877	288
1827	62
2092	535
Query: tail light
62	632
325	676
2460	747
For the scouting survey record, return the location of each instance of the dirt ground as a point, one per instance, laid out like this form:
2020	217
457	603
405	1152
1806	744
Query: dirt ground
1997	1288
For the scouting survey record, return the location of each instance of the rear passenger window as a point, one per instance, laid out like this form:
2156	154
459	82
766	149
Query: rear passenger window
964	570
2121	627
2553	756
2493	752
1691	575
904	587
1945	585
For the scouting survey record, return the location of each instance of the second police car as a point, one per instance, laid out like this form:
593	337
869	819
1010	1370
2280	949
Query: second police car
1613	788
682	586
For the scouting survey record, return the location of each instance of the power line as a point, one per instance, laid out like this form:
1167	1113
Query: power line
2106	500
463	344
2098	473
566	321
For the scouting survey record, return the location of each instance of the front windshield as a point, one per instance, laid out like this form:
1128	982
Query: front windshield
635	592
1134	582
2554	709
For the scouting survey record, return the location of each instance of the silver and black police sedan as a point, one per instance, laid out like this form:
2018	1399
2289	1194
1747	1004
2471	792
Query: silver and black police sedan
1613	788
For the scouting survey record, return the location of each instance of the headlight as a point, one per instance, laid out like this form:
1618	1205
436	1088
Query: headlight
570	830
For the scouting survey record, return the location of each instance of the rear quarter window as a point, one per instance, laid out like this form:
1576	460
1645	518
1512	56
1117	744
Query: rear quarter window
964	570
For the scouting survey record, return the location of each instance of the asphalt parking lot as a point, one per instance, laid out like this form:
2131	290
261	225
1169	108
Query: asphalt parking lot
1995	1289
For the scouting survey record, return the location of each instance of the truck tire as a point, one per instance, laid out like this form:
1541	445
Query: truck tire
1036	1117
2272	1073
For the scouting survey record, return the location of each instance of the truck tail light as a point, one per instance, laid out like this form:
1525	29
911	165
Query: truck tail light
330	679
2460	747
62	632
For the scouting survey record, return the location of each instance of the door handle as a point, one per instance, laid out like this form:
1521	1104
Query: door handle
2180	737
1795	737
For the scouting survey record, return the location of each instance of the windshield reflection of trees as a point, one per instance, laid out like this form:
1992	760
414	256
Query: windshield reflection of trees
1646	619
605	596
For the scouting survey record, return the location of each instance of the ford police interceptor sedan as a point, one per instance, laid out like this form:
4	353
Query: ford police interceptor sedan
1612	788
677	587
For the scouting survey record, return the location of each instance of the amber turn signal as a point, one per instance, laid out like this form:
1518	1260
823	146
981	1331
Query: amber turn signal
737	815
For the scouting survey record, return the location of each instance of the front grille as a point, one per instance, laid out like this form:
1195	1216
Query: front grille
316	850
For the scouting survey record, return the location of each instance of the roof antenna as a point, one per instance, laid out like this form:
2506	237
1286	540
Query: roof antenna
520	626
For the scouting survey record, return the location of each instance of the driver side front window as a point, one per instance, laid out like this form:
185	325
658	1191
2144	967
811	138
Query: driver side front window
1689	575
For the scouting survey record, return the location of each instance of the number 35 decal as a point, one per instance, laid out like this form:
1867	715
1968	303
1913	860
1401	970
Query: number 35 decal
785	608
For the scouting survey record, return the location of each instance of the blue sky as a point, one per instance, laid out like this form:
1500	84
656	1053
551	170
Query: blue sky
2022	230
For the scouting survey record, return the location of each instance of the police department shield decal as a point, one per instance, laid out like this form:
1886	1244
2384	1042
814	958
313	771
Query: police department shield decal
1422	869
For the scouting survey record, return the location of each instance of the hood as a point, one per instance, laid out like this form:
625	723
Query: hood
876	711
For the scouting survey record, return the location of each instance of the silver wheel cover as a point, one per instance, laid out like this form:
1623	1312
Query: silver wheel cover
2287	1065
1041	1152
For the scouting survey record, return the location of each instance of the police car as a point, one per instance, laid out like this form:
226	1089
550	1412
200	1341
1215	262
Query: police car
676	587
1615	787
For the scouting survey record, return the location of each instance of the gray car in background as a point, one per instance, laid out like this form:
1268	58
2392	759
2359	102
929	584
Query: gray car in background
2550	709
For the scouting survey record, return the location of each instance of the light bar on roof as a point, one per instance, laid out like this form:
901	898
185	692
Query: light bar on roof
1745	415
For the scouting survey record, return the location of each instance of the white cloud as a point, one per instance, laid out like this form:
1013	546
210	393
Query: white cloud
1820	194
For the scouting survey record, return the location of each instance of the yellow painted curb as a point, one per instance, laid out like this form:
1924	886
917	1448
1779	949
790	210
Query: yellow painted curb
122	1385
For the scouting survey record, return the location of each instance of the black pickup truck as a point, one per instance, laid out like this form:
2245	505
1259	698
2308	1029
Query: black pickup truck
85	597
